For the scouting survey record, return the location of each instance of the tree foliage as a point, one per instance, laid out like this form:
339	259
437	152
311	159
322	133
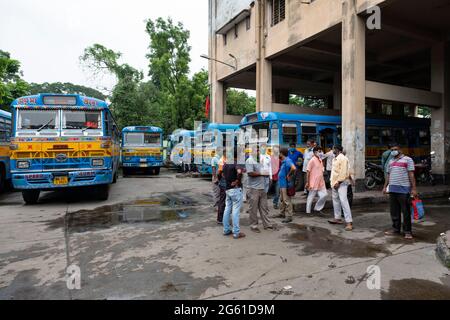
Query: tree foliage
65	88
239	103
11	84
308	102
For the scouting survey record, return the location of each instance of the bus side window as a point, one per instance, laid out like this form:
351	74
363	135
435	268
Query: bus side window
386	135
373	137
424	137
308	133
290	134
400	137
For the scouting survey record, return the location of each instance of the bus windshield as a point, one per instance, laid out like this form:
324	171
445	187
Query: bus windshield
82	120
142	139
37	120
259	132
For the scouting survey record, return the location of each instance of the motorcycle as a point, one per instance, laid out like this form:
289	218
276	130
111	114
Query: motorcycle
423	172
374	175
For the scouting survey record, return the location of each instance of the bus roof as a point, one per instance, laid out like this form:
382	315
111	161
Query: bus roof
183	133
219	126
278	116
59	100
143	129
5	114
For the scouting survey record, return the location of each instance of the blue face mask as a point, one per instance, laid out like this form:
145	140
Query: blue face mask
293	150
395	153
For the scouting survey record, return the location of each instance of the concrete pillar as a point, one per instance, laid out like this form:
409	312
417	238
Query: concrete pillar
337	91
440	118
264	98
354	90
218	101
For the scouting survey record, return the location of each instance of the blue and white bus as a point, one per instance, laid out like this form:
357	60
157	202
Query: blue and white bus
142	148
5	135
63	141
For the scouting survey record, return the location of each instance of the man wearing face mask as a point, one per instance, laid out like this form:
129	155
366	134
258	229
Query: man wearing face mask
402	184
297	158
316	182
340	177
309	154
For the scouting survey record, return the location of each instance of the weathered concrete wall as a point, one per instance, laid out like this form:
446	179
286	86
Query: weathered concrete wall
228	9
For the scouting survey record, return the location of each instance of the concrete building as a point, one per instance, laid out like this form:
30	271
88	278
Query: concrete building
325	48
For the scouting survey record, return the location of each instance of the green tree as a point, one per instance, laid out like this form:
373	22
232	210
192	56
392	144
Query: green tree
130	104
239	103
65	88
11	84
169	71
308	101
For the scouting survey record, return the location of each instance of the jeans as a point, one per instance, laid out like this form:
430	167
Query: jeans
221	204
400	203
234	201
276	189
340	202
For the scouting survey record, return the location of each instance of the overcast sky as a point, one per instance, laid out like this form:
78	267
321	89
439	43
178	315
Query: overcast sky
48	36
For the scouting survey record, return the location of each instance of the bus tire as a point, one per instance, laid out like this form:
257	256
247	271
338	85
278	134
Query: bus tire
103	192
116	177
2	178
157	171
31	196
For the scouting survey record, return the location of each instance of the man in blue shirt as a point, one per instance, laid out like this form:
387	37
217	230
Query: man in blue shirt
297	158
286	179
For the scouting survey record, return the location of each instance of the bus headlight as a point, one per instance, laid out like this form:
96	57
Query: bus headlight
98	162
23	164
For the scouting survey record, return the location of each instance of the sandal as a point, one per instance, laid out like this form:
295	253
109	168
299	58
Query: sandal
392	233
255	230
229	233
409	236
349	227
335	221
239	236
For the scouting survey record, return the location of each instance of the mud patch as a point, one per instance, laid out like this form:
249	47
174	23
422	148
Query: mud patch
158	210
416	289
316	239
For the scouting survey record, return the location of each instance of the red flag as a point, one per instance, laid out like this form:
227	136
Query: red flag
207	107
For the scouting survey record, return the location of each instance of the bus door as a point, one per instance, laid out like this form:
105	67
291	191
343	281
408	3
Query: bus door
327	137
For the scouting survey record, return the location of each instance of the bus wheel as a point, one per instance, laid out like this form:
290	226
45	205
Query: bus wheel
157	171
31	196
116	176
2	179
103	192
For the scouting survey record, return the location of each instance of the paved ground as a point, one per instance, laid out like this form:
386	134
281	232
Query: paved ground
156	238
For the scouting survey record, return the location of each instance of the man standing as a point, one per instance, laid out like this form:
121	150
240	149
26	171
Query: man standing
339	183
215	180
257	192
402	184
222	190
386	159
297	159
232	175
276	166
285	179
316	182
329	156
309	154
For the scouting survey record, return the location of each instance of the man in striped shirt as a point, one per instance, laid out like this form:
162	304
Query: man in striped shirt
400	184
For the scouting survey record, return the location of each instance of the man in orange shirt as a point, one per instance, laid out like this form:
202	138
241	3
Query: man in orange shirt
315	182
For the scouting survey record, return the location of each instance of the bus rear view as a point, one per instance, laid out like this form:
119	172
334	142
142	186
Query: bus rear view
142	148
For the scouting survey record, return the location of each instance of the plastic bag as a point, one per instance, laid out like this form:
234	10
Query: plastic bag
417	209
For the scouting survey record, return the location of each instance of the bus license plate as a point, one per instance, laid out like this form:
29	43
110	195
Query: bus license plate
143	165
61	181
143	160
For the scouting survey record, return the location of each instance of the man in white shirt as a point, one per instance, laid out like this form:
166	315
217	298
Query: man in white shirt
308	155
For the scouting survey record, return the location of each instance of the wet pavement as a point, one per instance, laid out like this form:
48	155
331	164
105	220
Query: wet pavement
156	238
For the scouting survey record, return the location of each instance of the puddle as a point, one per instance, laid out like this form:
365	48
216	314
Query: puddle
416	289
157	210
316	239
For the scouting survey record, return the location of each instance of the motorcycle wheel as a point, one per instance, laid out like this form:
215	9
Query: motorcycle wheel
370	181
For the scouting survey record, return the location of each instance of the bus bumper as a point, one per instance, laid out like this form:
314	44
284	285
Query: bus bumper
70	179
135	165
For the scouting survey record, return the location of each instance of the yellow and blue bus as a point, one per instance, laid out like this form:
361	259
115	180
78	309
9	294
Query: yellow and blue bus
5	134
213	135
62	141
412	134
142	148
